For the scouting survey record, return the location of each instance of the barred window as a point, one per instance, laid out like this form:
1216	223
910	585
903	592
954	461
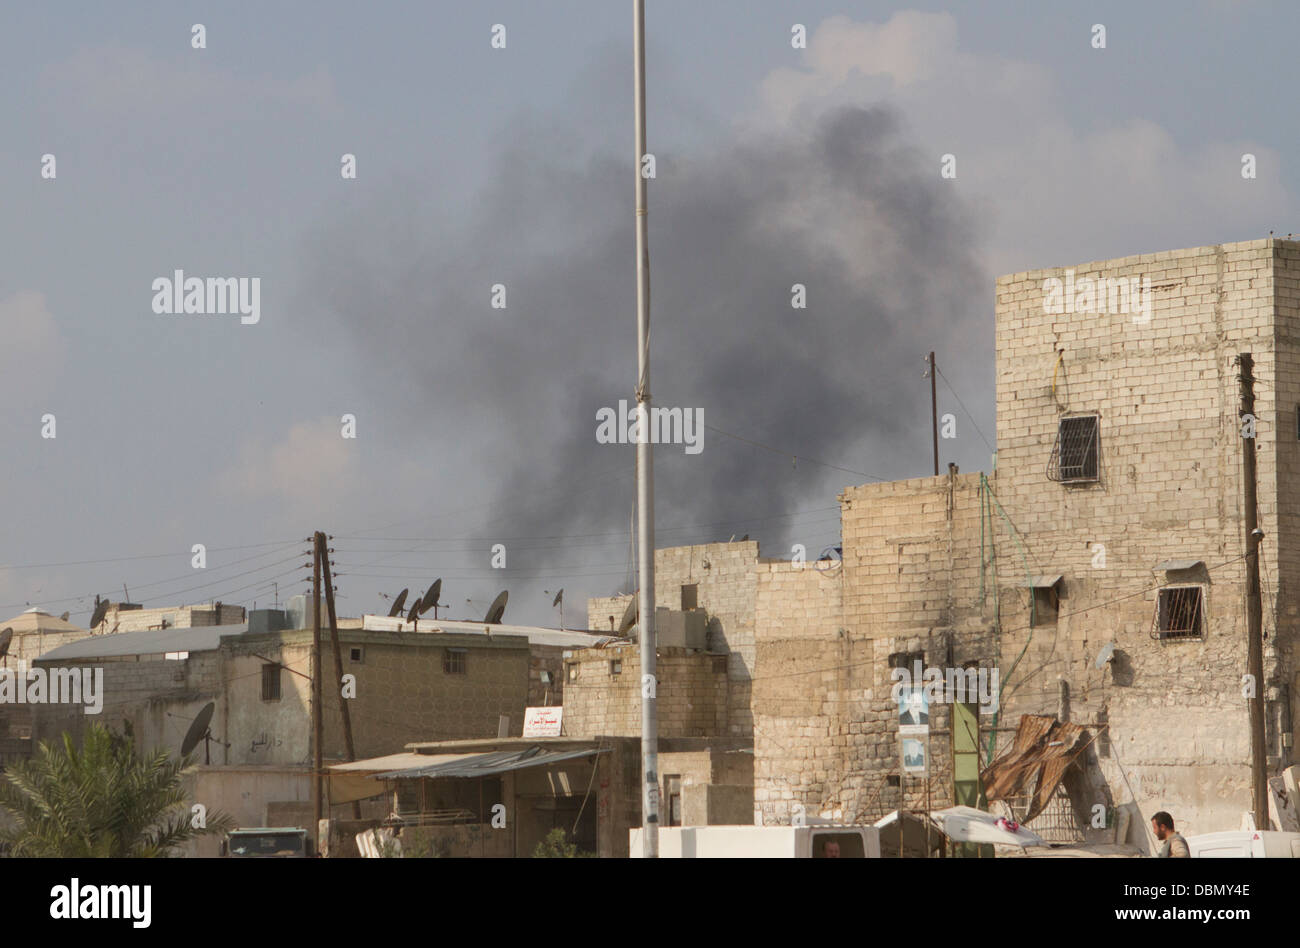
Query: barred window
270	682
453	661
1178	612
1077	449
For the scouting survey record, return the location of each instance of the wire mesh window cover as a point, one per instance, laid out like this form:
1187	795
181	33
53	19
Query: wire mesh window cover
1077	449
1178	612
453	661
270	682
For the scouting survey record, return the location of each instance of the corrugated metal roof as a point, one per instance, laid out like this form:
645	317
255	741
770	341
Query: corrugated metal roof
565	638
485	765
1041	752
145	642
379	764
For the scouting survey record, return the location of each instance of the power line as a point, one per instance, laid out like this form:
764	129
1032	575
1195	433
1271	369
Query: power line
965	409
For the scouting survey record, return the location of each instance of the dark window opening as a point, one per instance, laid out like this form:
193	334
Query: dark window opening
673	797
1075	454
1178	612
616	666
453	661
841	846
690	597
1047	605
355	654
906	660
270	682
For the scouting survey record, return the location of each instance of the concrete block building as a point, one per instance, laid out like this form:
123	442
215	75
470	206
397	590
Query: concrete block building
1099	566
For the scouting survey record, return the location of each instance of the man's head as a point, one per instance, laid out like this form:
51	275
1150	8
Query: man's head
831	849
1163	825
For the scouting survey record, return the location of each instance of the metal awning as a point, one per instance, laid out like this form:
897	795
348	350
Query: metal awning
485	765
1170	565
1046	581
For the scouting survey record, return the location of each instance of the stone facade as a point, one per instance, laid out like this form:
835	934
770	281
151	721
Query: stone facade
602	692
1169	488
944	569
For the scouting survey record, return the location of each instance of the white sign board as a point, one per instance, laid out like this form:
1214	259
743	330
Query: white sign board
543	722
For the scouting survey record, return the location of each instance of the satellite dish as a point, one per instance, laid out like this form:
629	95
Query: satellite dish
415	611
398	603
629	618
1106	654
6	637
431	596
198	729
64	617
559	597
101	610
497	609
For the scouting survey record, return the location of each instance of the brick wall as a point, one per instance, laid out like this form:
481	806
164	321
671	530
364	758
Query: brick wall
691	693
1170	488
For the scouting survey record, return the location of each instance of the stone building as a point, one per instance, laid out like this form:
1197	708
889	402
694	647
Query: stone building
132	617
1099	568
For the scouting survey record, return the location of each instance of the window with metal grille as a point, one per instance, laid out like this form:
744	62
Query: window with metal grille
1077	449
270	682
453	661
1178	612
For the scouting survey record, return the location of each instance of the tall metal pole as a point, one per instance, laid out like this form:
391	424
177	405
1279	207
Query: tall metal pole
645	470
934	415
1254	607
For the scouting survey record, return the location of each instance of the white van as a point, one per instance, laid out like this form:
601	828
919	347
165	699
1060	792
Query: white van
763	842
1245	844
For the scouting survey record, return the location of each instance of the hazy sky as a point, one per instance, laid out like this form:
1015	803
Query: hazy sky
478	166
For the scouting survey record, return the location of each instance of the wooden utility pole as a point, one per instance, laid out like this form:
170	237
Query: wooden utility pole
934	415
322	555
317	760
1254	605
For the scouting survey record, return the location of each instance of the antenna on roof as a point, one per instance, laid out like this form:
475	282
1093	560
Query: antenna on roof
430	600
101	610
398	603
497	609
199	731
558	601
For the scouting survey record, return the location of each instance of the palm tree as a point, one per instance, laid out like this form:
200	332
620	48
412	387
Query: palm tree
101	800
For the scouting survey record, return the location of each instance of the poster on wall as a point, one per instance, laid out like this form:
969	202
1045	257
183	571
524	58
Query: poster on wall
915	754
913	710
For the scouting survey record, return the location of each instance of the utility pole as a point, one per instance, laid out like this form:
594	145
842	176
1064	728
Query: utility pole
317	761
1254	605
645	468
934	415
322	555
